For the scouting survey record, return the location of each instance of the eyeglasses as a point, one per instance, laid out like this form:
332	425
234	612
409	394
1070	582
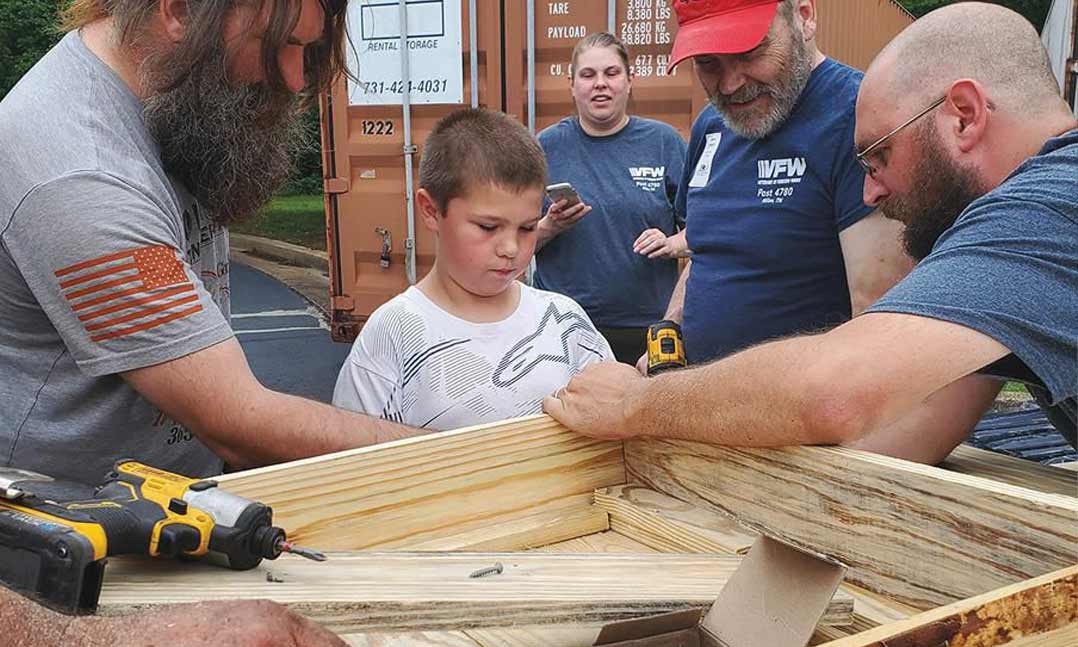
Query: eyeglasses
871	170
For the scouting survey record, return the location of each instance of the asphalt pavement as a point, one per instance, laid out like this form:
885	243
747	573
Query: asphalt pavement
284	336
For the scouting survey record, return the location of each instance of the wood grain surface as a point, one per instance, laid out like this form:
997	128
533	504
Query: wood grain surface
370	591
1029	608
428	488
1008	469
920	535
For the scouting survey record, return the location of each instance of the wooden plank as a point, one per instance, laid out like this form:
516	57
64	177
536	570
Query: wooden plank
603	542
412	639
1065	637
357	592
549	523
419	489
917	534
1008	469
1032	607
538	636
670	525
1071	466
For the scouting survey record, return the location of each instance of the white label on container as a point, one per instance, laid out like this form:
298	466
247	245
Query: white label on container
703	166
435	56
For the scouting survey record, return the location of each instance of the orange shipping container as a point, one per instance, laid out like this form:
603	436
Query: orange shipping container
523	49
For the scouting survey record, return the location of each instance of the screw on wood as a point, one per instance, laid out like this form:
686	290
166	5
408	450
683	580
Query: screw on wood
490	570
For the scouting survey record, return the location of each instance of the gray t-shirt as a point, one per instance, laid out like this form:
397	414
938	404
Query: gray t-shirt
1008	268
106	265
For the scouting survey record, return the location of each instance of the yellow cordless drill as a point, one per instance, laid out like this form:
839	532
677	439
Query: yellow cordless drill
55	536
665	347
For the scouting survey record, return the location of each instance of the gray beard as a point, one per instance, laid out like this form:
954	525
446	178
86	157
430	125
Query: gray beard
228	144
784	93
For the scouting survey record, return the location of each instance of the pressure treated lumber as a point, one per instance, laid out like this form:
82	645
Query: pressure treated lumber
670	525
1065	637
1036	606
1008	469
412	639
600	542
428	488
918	534
548	523
355	592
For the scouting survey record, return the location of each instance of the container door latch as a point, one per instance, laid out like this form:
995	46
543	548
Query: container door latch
387	246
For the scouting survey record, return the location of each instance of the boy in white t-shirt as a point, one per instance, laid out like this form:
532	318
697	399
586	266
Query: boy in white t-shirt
471	344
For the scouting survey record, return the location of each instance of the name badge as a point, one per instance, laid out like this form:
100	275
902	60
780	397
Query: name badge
703	166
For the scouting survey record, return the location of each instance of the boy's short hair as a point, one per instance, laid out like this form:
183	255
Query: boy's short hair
475	146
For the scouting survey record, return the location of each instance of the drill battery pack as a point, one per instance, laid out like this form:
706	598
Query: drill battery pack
59	563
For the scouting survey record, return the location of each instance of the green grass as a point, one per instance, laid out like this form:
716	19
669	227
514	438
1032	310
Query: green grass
298	219
1014	387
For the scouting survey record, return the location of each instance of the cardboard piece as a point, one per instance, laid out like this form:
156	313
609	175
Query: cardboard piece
775	598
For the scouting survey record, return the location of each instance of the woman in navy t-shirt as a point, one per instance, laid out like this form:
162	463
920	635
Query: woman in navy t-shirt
616	252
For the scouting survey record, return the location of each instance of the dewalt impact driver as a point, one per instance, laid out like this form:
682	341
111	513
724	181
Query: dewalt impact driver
665	347
55	536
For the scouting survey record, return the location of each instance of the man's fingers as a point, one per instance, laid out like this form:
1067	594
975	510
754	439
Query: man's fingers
310	634
554	408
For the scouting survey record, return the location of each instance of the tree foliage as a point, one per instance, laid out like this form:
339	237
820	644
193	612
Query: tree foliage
27	31
1035	11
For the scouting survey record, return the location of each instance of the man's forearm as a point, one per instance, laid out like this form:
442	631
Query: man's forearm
676	309
777	406
278	427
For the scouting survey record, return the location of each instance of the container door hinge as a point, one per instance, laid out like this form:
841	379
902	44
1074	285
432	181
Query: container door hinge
336	185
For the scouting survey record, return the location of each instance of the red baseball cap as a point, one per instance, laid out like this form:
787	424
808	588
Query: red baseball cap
720	26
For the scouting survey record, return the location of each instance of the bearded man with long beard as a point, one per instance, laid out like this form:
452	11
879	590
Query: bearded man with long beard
967	144
127	151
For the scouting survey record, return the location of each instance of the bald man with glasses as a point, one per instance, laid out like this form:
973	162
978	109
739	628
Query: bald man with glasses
965	141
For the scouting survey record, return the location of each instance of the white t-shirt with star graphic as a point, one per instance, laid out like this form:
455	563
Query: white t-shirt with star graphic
416	364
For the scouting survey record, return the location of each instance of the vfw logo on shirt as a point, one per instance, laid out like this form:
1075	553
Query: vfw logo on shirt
648	178
777	178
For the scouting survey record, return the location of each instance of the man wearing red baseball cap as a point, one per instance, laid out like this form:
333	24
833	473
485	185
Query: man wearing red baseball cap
782	240
772	196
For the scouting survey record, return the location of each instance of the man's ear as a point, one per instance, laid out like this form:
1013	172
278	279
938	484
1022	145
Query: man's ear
174	19
968	109
806	11
428	210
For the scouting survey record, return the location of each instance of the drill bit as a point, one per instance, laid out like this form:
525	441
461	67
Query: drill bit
289	547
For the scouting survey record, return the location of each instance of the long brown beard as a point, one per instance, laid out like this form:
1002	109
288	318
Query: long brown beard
228	144
940	191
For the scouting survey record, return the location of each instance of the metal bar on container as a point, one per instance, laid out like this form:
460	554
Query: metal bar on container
611	16
409	148
531	66
473	48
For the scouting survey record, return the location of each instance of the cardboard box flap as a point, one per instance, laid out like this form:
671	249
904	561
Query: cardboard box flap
626	632
776	597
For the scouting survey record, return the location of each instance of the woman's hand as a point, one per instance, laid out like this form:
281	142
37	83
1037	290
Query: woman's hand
653	243
560	218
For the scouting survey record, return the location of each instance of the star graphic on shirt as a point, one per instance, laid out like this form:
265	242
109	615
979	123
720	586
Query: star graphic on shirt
553	331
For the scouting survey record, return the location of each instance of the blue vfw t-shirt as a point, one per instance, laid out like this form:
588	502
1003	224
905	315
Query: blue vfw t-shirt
763	218
1008	268
630	180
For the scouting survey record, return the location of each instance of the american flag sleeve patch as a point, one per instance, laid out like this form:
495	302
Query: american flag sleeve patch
128	292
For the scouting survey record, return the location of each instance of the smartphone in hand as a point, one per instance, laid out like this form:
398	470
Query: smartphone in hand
563	191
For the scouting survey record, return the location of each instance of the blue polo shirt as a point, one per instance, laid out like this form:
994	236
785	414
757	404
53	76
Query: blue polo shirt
763	218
